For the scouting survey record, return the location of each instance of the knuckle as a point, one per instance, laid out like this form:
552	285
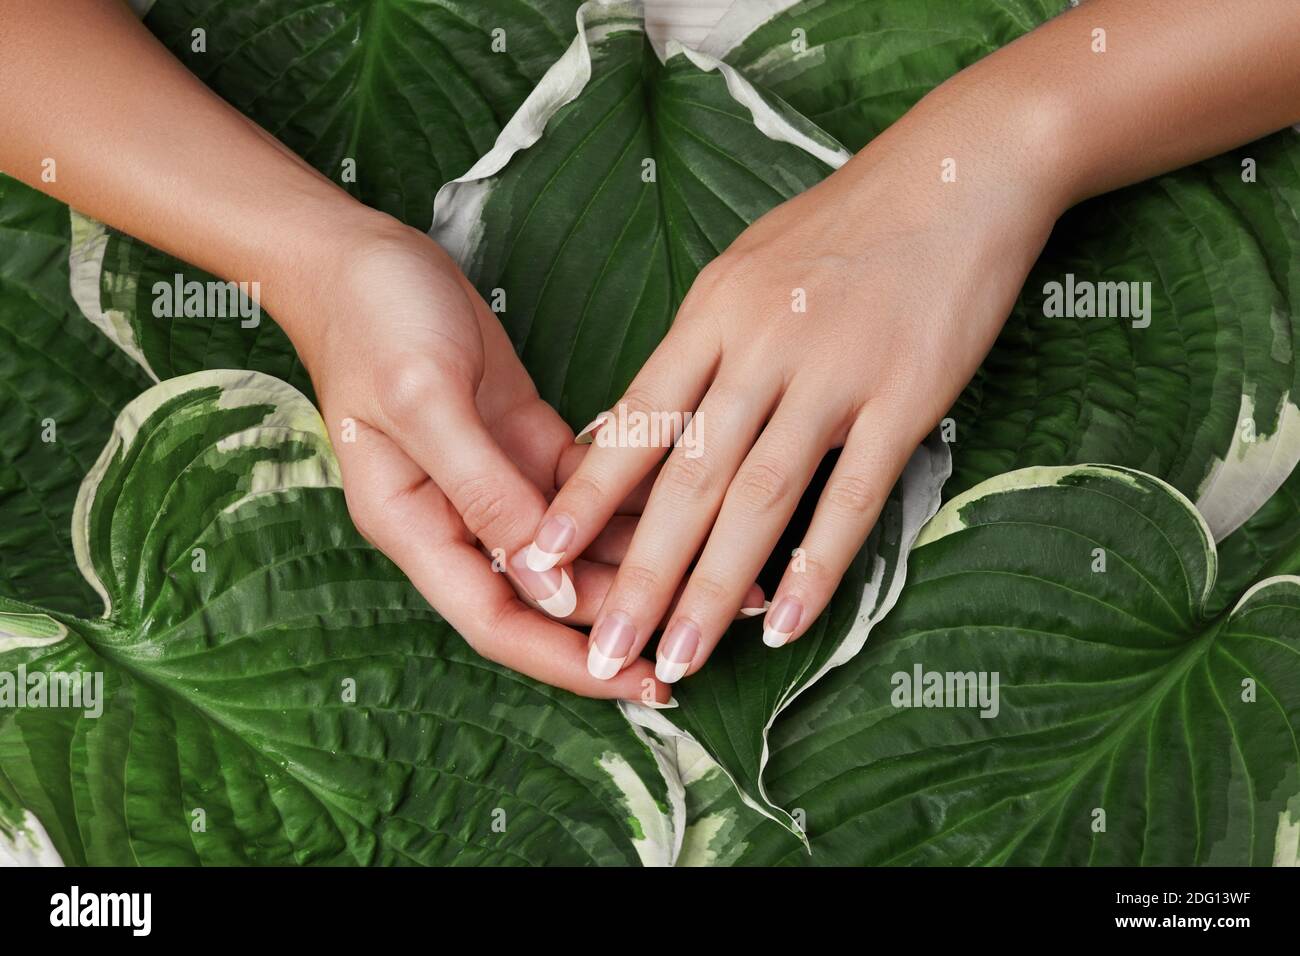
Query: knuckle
853	496
814	574
723	278
640	399
708	589
581	491
407	390
500	621
687	477
763	485
365	513
715	275
637	579
484	508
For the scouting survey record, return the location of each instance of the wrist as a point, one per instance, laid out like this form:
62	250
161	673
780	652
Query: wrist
309	272
968	161
1013	140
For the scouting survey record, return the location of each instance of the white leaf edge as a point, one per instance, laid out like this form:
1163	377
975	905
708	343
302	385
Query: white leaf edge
291	413
85	273
25	843
740	20
23	629
1250	472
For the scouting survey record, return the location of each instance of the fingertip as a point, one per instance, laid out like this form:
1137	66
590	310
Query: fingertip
754	604
677	651
535	559
637	682
612	642
551	590
550	543
588	434
782	621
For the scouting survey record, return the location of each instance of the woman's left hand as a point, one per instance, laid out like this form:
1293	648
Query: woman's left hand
851	316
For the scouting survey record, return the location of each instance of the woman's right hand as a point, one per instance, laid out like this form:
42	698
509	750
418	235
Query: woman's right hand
448	454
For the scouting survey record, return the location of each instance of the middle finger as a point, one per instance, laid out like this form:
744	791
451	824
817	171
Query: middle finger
677	518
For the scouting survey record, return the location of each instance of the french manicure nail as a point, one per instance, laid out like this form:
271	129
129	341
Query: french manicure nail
676	651
611	642
553	537
552	590
655	705
756	611
782	621
588	434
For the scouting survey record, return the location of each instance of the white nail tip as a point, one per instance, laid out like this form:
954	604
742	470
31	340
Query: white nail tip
753	611
600	666
563	602
539	560
670	671
655	705
587	435
773	638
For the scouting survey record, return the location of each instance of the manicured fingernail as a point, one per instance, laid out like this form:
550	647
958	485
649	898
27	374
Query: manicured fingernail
781	621
552	538
611	642
655	705
676	651
552	590
754	605
588	434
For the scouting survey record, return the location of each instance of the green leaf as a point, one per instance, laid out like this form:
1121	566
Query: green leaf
854	67
116	282
1266	545
409	92
614	184
1205	396
56	414
412	91
641	174
594	256
1118	693
720	827
274	691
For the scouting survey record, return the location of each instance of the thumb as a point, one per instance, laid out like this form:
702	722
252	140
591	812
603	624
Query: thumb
445	435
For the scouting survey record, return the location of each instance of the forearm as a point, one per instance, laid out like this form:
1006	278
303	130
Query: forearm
1051	117
138	142
1178	82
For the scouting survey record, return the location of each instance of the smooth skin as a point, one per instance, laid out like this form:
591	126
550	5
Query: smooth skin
908	281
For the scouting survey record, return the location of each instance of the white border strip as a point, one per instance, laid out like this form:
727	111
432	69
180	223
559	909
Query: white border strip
85	278
739	22
458	206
